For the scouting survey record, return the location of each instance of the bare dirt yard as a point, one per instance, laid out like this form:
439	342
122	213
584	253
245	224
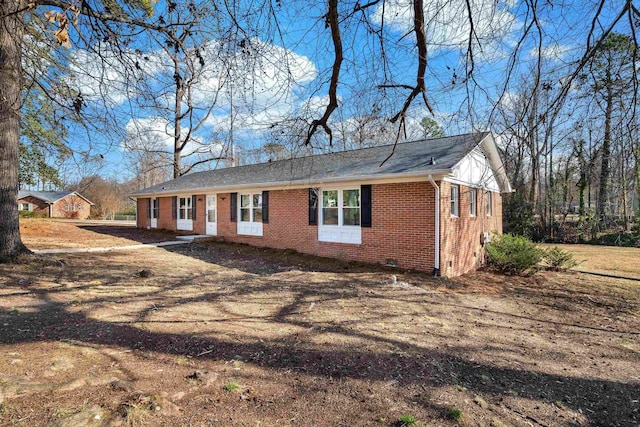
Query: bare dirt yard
213	333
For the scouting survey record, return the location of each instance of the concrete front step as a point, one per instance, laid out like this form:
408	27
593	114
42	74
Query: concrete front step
191	238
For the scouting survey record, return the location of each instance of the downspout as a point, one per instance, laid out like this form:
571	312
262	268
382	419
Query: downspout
436	257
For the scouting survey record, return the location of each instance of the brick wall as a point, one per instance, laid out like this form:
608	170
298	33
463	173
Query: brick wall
461	248
402	226
82	209
37	205
199	224
78	207
143	220
402	229
165	214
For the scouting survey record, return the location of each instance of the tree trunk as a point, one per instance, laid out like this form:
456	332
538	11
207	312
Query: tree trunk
11	28
606	154
636	152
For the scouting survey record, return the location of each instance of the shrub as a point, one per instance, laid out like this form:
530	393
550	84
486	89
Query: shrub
32	214
511	254
407	420
454	414
559	259
231	386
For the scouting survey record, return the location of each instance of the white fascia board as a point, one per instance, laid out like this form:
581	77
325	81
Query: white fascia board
374	179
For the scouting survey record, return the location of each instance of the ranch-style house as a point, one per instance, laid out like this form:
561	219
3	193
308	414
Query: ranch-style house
427	205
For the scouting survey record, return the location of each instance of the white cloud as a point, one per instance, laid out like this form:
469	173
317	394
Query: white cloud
157	134
104	76
447	23
553	52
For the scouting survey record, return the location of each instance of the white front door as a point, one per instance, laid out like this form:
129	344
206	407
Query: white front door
154	213
212	215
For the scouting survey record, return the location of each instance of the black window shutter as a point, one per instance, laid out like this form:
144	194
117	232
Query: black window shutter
234	207
149	208
265	207
365	206
174	207
193	207
156	204
313	206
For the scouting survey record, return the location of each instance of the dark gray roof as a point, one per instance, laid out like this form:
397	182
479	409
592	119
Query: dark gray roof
49	196
409	158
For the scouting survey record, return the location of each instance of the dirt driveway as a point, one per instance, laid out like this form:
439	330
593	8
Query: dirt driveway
222	334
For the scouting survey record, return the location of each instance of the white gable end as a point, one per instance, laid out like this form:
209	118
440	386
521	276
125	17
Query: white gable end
474	170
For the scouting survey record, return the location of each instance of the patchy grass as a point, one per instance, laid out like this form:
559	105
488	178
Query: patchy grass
407	420
454	414
231	386
319	341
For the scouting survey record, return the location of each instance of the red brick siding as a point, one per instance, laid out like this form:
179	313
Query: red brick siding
142	218
199	226
58	209
461	247
402	226
37	205
403	222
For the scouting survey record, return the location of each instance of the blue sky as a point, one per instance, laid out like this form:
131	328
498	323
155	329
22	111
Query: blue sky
290	78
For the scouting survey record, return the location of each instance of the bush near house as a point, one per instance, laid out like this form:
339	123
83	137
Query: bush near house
32	214
558	259
511	254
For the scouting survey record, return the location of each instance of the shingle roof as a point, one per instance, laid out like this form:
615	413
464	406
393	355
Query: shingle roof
49	196
409	158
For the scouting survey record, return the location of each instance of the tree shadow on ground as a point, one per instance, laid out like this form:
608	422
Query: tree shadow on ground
265	261
603	402
131	232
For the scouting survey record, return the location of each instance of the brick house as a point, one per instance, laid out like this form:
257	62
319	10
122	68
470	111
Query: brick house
55	204
431	206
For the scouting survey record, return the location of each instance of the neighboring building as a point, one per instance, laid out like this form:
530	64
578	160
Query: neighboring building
55	204
430	206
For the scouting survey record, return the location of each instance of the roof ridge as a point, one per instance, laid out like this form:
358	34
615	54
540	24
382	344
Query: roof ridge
343	152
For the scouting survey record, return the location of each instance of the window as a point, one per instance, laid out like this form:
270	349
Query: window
154	208
330	207
184	208
251	207
66	207
341	207
488	202
473	201
455	199
79	206
24	207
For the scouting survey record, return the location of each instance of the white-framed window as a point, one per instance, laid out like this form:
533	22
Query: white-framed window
455	200
341	207
251	207
487	201
79	206
473	202
67	207
340	215
184	208
25	206
154	208
250	213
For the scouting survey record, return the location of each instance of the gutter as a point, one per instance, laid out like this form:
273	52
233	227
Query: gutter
436	256
286	185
